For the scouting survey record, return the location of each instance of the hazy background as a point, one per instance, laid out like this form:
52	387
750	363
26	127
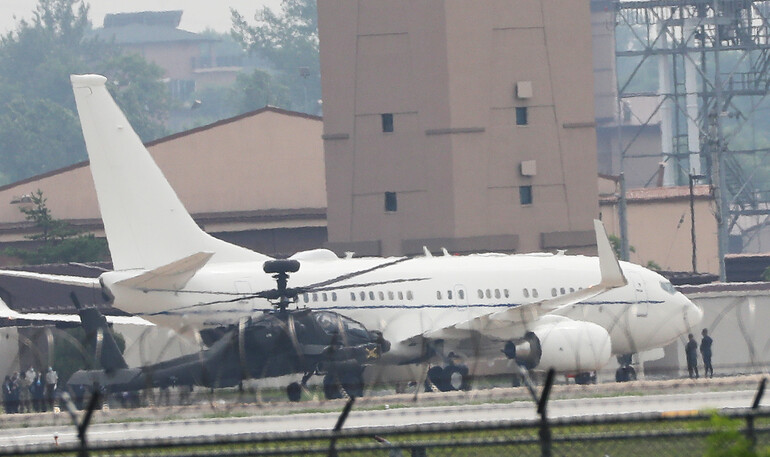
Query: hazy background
198	14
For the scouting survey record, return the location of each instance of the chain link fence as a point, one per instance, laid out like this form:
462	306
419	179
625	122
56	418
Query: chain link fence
739	431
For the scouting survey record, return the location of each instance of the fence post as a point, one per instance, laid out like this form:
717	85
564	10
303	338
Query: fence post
545	430
338	426
82	427
750	416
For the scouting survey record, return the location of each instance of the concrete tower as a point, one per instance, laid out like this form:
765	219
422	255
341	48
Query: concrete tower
462	124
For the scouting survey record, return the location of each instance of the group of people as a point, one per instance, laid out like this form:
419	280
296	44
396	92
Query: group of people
691	350
30	391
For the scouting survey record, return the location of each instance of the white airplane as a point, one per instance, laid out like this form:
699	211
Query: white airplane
567	312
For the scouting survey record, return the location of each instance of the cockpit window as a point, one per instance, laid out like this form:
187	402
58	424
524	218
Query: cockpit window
328	322
354	327
668	287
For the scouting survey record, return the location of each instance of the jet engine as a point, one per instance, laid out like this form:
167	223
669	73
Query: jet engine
563	344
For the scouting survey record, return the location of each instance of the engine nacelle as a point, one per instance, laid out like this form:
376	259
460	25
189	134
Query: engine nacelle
570	346
565	345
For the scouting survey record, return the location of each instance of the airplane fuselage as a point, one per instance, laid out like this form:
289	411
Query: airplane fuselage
410	298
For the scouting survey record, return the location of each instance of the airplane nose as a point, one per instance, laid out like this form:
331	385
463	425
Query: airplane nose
693	314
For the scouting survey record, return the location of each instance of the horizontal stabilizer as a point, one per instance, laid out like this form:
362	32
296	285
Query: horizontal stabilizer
172	276
54	279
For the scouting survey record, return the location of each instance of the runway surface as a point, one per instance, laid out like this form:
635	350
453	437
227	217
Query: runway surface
271	420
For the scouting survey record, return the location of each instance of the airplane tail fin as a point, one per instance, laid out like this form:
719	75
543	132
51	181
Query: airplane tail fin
95	325
145	223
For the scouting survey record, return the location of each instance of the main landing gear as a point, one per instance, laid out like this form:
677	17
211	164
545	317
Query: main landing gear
625	372
452	376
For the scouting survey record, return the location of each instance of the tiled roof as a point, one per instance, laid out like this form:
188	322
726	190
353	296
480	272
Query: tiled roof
144	34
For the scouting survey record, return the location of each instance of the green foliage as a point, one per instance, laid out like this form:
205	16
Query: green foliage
73	351
57	240
289	40
255	90
138	88
728	441
38	121
653	265
615	243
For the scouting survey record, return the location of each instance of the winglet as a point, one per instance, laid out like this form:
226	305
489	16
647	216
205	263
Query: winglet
612	275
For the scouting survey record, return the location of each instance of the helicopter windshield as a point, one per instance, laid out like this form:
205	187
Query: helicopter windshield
332	323
329	322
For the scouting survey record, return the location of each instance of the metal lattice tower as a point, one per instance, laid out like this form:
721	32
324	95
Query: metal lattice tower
712	59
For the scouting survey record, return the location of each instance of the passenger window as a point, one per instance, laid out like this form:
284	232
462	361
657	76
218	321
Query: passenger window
489	293
497	293
324	297
352	296
305	298
363	295
400	295
534	293
461	294
563	291
334	296
505	293
409	295
390	295
449	294
371	296
438	294
571	289
481	293
526	293
382	296
553	292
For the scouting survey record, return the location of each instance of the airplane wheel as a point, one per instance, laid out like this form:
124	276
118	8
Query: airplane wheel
353	382
456	377
331	387
585	378
294	391
625	374
435	379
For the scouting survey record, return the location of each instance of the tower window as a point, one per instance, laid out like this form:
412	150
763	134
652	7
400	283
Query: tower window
521	115
525	195
391	204
387	122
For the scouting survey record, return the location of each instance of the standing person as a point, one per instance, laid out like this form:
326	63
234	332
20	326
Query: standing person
51	379
7	393
705	352
25	399
691	351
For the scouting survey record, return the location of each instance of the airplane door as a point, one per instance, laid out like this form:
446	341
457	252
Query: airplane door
642	304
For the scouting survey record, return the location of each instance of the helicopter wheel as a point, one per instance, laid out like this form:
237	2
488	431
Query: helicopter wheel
294	392
348	382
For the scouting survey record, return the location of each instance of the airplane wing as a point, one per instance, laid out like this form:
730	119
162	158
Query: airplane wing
51	278
611	277
11	318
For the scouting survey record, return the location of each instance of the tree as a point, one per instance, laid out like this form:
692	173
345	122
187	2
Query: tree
57	241
38	121
289	40
258	89
138	88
